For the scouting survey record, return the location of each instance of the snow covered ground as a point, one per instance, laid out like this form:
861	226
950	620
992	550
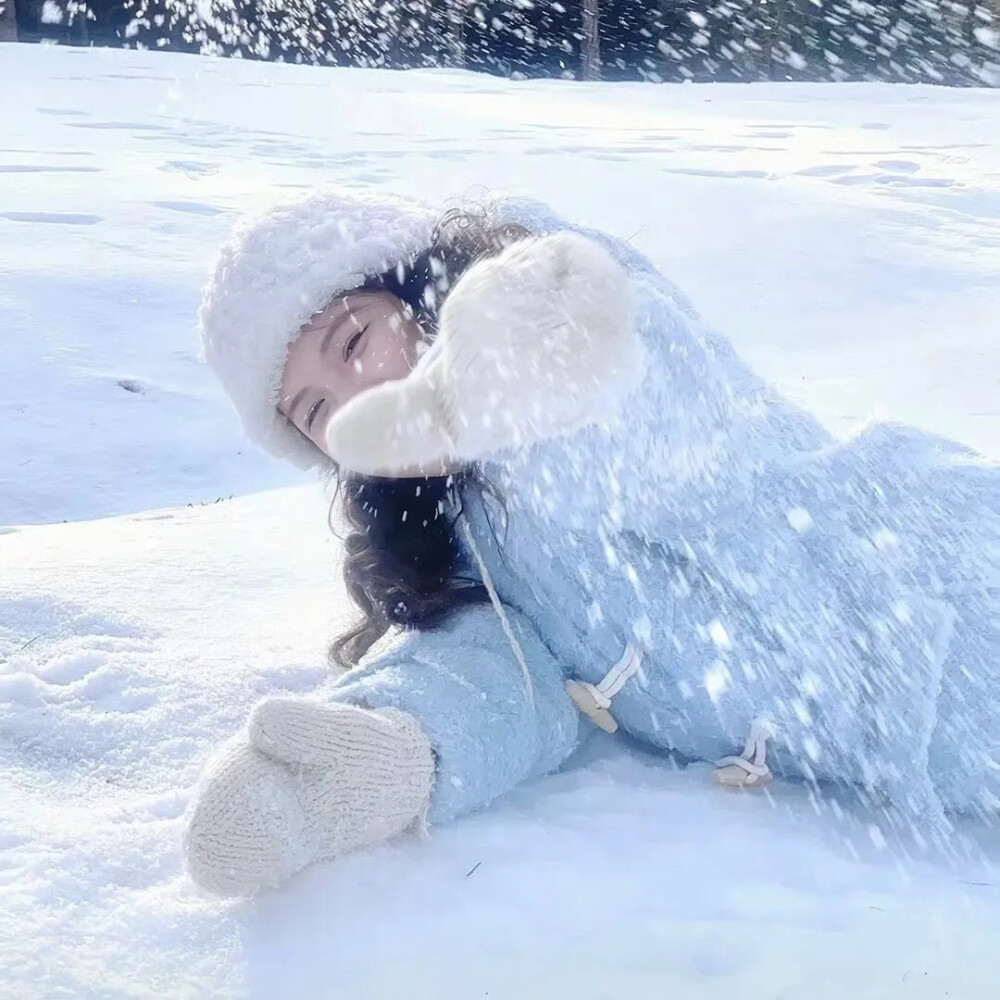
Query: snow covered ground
847	237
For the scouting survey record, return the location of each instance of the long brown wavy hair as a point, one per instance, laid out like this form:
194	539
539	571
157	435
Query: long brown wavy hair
402	558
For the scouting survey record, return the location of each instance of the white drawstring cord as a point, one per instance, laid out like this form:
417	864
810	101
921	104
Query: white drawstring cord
750	768
620	673
499	608
594	700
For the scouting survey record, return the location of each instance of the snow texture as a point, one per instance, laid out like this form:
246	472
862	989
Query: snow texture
844	236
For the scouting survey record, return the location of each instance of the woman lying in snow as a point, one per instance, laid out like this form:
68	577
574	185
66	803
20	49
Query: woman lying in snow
579	502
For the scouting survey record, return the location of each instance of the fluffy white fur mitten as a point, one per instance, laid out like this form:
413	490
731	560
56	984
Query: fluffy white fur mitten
533	343
308	781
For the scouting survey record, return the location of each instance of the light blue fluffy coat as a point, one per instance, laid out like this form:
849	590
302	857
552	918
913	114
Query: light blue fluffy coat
849	592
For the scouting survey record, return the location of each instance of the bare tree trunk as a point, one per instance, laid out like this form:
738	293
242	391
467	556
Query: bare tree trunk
771	22
8	21
591	53
456	33
79	32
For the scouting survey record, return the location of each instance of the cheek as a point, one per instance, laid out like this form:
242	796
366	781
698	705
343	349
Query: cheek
393	356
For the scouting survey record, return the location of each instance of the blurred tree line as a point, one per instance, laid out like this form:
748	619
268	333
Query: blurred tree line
659	40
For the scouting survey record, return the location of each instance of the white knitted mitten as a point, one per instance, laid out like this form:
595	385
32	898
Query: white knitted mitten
533	343
309	781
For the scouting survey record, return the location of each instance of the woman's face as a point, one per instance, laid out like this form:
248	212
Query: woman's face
360	340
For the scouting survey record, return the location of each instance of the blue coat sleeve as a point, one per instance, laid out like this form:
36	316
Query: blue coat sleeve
684	447
464	685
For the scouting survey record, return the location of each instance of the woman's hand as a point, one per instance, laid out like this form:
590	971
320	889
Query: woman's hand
534	343
307	781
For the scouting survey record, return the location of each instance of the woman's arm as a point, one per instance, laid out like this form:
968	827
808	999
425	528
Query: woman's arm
533	344
439	726
463	685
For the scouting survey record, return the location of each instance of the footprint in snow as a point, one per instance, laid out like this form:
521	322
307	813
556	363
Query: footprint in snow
63	112
31	168
189	207
59	218
76	681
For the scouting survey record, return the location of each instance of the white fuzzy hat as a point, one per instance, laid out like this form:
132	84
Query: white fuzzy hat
277	270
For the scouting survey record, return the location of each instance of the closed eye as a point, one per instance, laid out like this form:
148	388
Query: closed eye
351	346
313	413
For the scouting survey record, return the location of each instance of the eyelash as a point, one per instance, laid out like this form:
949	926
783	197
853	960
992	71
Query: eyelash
349	348
313	411
352	344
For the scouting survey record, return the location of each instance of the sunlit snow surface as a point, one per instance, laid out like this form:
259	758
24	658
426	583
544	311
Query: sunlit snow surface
847	237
